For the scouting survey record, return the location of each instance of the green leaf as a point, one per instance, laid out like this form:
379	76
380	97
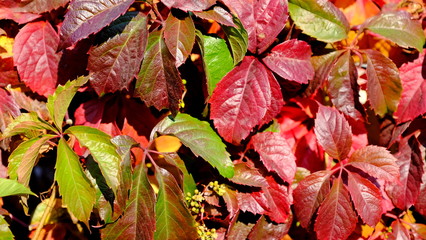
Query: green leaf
217	59
201	139
319	19
25	124
23	158
173	220
5	232
102	150
58	103
237	39
95	172
78	195
138	221
189	184
398	27
9	187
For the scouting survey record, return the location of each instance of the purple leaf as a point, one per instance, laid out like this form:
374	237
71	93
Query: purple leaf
179	36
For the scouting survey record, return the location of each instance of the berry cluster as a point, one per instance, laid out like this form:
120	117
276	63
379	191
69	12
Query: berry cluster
204	233
220	189
195	202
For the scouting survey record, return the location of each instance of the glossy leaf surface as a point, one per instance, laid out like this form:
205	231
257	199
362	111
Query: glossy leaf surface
179	36
238	40
217	14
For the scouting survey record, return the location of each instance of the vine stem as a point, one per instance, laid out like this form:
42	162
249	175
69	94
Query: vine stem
46	213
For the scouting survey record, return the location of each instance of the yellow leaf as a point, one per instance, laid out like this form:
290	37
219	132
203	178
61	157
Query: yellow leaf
167	144
6	44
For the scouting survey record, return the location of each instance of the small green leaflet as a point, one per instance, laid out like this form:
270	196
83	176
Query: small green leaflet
26	123
200	138
319	19
5	232
238	40
173	220
78	195
102	150
58	103
9	187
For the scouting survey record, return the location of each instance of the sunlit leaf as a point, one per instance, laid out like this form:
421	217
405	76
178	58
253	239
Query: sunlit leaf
25	124
398	231
189	5
41	6
179	36
237	40
9	187
267	230
248	176
217	14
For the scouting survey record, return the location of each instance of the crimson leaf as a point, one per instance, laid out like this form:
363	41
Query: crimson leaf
383	85
85	17
265	230
291	60
421	201
398	231
179	36
159	83
248	176
36	58
412	101
41	6
189	5
115	63
276	154
309	194
217	14
241	100
278	201
336	218
333	132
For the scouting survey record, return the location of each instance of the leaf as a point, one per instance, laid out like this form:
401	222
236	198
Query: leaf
291	60
231	201
77	193
85	17
341	85
413	81
58	103
410	164
173	220
9	187
216	58
158	83
322	65
279	201
41	6
237	40
179	36
248	176
420	205
377	162
309	194
102	150
276	154
398	27
266	230
254	202
36	58
336	218
333	132
26	124
239	230
241	100
217	14
5	232
366	198
398	231
17	16
319	19
201	139
138	220
383	85
189	184
189	5
9	109
115	63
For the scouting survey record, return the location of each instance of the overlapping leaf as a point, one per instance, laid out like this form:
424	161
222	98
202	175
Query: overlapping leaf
336	218
319	19
190	5
266	230
77	193
26	124
322	65
291	60
5	232
421	200
237	39
248	176
41	6
115	63
399	28
276	154
333	132
201	139
217	14
398	231
159	83
179	36
9	187
279	201
412	102
36	58
383	86
173	220
85	17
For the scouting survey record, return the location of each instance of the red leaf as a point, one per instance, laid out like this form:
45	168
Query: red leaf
410	163
366	198
249	202
309	194
333	132
420	205
276	154
189	5
291	60
383	85
270	231
159	83
231	201
8	75
241	100
308	153
179	36
341	84
247	176
336	218
217	14
36	58
9	109
262	19
85	17
13	12
278	201
399	232
376	161
412	103
41	6
115	63
277	100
